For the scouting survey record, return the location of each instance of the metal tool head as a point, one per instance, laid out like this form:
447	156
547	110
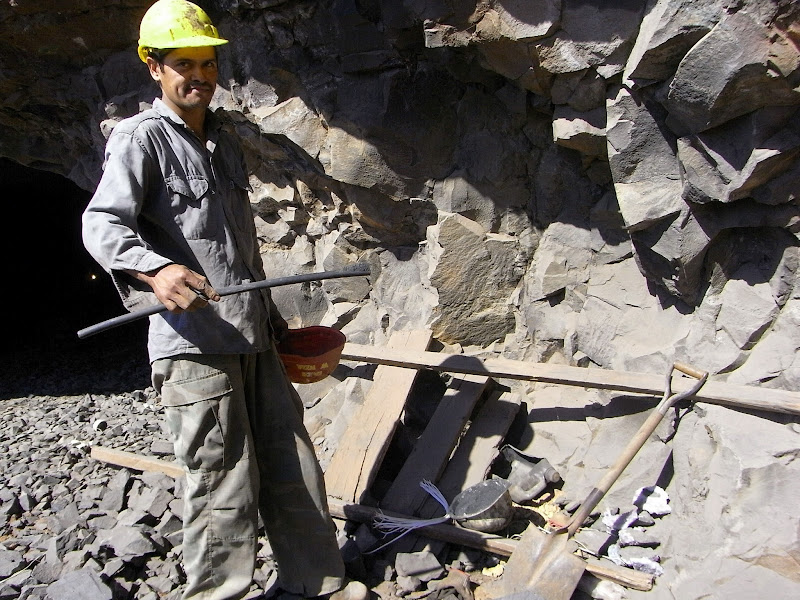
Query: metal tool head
542	566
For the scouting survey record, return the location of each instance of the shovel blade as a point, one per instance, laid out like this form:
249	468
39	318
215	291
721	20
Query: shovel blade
542	567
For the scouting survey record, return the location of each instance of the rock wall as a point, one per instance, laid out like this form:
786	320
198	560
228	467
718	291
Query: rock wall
602	184
531	159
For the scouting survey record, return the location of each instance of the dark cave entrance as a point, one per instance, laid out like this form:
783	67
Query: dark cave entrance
53	289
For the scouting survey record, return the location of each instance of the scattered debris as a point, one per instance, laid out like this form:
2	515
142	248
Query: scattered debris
653	500
72	521
646	564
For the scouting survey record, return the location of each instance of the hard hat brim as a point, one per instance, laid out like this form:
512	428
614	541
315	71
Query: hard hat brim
197	41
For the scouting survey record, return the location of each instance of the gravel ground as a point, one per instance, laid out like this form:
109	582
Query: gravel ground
61	512
76	528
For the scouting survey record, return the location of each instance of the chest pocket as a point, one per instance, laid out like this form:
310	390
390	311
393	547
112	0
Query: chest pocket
238	211
193	207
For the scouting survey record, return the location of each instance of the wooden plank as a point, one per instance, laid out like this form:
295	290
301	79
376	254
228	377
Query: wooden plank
434	447
713	392
363	514
486	542
136	461
358	456
472	460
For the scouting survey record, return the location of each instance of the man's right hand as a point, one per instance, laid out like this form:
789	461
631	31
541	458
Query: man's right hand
179	288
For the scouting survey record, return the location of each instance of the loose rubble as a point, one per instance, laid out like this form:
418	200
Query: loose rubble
76	528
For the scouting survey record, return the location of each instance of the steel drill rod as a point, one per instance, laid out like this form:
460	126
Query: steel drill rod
353	271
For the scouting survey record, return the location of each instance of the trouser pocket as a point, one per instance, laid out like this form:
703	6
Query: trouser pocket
199	411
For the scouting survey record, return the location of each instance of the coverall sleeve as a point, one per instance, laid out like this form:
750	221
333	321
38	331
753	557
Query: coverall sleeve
110	231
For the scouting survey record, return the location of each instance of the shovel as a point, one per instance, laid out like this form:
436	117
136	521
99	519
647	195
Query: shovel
556	570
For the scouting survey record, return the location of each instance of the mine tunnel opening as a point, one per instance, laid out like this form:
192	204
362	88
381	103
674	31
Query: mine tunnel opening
53	289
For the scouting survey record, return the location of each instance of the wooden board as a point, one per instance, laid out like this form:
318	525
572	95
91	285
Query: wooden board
360	452
713	392
434	447
136	461
487	542
472	460
363	514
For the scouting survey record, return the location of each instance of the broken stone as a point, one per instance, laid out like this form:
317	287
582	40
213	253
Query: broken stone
616	522
654	500
104	521
26	501
47	572
169	524
79	585
150	500
8	592
113	500
422	565
601	589
10	562
176	507
637	559
158	481
127	541
113	566
12	508
74	560
637	537
407	584
131	516
162	448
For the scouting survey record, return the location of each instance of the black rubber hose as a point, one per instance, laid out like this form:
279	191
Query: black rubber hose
353	271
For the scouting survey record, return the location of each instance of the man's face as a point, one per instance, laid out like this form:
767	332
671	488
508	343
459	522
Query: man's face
188	78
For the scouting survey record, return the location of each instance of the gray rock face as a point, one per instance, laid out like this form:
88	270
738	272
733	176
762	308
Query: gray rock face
731	72
474	273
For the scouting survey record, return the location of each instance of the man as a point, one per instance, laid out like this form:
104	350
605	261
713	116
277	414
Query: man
169	221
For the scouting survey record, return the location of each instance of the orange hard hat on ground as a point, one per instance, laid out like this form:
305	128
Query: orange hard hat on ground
312	353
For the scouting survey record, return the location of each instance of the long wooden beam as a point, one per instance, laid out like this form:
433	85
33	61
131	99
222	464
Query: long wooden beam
363	514
488	542
713	392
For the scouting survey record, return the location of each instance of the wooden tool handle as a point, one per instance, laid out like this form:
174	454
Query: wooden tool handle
689	370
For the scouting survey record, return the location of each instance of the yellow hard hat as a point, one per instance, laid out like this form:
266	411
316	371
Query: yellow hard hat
176	24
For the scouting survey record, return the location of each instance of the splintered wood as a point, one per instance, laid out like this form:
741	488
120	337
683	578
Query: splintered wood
361	450
434	447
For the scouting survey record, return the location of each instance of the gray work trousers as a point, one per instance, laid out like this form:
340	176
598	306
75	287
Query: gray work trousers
237	426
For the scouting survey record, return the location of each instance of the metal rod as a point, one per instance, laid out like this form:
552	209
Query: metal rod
353	271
